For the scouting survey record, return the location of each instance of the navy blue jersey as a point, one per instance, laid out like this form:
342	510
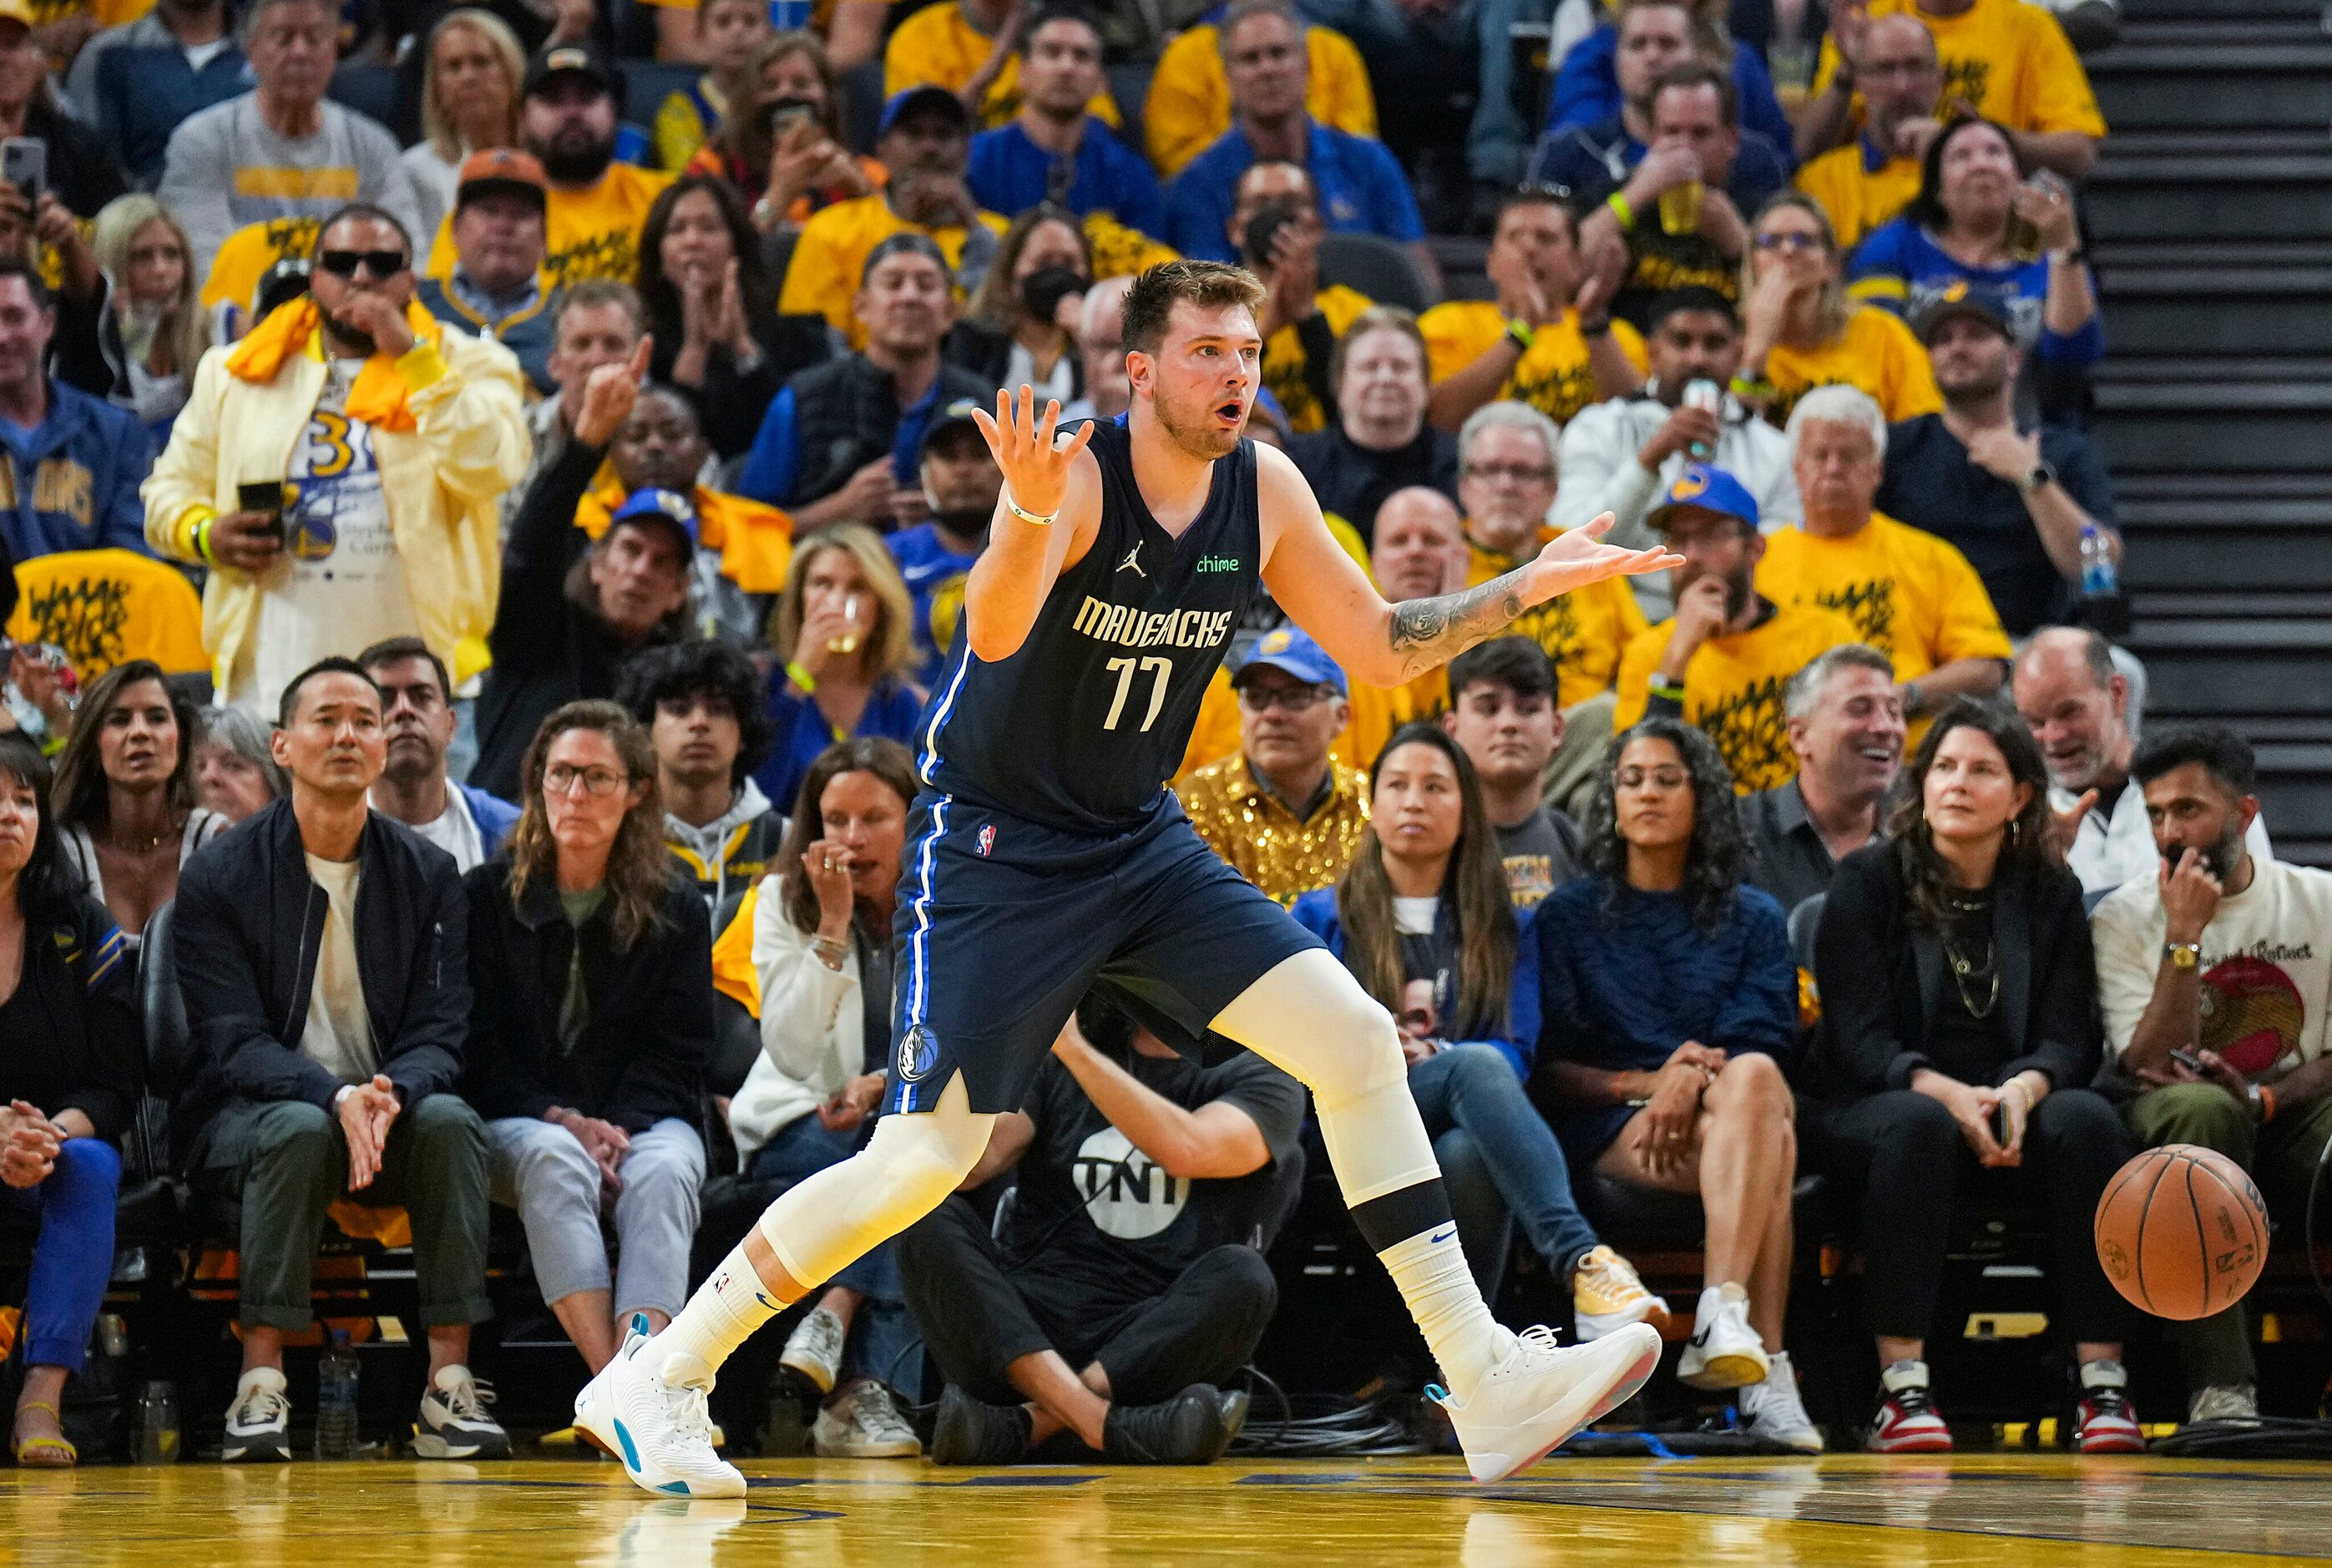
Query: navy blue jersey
1083	726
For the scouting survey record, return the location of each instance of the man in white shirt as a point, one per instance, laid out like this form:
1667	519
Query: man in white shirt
2077	704
2214	973
418	717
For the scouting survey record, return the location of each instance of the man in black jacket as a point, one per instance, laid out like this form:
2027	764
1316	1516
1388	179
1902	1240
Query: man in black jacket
321	954
572	611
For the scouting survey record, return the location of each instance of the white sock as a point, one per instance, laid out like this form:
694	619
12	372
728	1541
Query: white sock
1447	1306
721	1315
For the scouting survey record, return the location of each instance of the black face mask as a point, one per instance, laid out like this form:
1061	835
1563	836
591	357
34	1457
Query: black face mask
1042	291
1261	236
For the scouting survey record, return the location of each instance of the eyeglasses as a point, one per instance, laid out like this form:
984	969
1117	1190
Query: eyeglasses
381	264
1792	239
558	778
1295	699
1518	472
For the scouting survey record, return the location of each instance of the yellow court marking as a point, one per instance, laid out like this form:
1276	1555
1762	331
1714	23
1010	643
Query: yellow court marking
1977	1512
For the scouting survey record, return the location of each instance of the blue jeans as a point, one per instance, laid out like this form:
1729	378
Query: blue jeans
881	1332
72	1258
1473	39
1498	1159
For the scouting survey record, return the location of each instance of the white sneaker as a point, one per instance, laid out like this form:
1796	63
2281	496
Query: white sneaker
2225	1402
814	1350
864	1424
1529	1404
453	1423
1605	1294
656	1422
1725	1351
1773	1411
259	1422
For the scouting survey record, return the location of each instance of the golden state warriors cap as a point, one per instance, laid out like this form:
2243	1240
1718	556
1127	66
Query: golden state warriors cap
1290	651
1700	488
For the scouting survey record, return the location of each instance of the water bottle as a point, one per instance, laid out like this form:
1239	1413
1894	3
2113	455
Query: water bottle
157	1424
2098	578
789	16
1703	394
336	1399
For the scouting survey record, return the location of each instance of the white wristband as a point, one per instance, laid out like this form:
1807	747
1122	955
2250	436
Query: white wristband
1034	519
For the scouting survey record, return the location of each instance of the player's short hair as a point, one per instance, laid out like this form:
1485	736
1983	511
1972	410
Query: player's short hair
1805	687
1209	286
2225	755
1515	662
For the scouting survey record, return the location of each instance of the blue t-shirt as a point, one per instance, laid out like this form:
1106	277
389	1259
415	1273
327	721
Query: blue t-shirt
1363	191
1010	173
1587	90
1620	988
1900	265
802	732
935	575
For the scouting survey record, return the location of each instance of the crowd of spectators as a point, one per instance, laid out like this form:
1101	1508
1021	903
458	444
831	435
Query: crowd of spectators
631	490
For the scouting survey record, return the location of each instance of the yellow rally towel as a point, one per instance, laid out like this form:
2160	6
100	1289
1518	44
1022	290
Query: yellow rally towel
379	396
755	542
733	974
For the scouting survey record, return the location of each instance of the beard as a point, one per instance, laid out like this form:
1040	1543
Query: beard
1190	428
351	343
576	157
2220	857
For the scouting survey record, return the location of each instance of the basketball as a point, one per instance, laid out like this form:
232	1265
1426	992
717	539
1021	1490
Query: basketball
2182	1231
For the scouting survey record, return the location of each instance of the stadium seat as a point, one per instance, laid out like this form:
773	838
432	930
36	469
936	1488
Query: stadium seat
369	89
1804	920
1376	267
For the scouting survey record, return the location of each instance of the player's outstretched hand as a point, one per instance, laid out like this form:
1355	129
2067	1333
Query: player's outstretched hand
1036	470
1579	557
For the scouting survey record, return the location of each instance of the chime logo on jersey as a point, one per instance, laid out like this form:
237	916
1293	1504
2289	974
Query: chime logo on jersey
1127	1194
1137	629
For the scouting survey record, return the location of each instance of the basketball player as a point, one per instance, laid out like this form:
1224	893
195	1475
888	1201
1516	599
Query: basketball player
1045	857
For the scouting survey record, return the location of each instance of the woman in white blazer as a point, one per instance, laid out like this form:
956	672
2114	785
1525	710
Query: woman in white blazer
822	956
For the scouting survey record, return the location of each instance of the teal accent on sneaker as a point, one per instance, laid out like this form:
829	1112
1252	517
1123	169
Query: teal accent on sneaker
631	1453
678	1488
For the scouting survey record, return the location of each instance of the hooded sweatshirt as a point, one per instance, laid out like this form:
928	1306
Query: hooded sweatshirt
729	854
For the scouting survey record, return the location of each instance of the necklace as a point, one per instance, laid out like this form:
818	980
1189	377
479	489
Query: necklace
1972	974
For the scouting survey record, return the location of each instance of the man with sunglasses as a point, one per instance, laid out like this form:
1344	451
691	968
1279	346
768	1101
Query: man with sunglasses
384	522
1284	812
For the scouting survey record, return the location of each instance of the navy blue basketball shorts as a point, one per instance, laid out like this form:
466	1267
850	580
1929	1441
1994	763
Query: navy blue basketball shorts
1004	926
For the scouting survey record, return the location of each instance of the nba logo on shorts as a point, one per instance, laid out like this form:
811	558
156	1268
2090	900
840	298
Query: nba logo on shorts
919	1050
987	839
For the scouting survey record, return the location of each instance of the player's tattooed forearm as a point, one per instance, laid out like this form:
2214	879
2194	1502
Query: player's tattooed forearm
1428	633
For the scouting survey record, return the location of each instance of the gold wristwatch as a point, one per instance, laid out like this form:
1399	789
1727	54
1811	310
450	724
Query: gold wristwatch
2182	954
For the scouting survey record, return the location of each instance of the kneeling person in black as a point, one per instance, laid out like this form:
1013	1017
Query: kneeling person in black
1129	1281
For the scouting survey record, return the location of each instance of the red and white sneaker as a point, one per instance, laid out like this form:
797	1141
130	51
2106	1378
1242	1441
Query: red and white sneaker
2106	1422
1908	1422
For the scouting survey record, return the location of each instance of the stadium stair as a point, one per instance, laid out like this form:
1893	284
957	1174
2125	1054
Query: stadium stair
2210	218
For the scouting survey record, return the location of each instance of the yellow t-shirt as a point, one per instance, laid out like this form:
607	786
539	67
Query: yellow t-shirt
1584	631
1733	687
1553	376
939	46
108	13
1284	360
1857	197
108	607
681	125
2008	59
1190	101
246	254
591	234
1876	352
1909	594
831	252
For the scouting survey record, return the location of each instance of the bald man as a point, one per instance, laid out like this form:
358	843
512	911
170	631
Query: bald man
1419	551
1101	340
2077	703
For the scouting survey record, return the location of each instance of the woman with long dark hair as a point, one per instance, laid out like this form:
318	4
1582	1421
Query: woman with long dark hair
1423	920
125	793
822	959
1020	326
590	1024
712	311
1668	998
69	1042
1959	1034
1966	229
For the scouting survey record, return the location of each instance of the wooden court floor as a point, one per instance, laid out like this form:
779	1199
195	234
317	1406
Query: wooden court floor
2014	1512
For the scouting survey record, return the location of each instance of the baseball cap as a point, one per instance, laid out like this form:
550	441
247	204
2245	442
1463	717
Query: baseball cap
577	59
668	506
1292	652
1961	298
907	101
498	168
955	415
1700	488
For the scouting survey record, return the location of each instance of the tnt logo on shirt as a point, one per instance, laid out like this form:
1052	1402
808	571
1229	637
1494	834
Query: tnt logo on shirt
1127	1194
